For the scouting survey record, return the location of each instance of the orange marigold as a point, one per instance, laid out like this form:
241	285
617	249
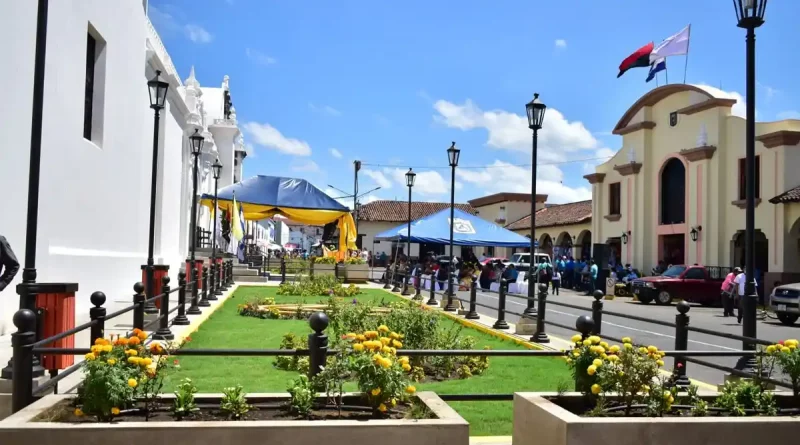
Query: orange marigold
156	348
133	341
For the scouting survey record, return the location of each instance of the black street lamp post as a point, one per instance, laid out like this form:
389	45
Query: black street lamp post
197	147
535	110
215	290
453	154
750	15
158	98
410	177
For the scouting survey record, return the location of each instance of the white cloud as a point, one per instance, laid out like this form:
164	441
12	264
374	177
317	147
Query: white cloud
324	109
335	153
561	43
504	177
197	33
426	183
790	114
378	177
305	166
738	109
268	136
258	57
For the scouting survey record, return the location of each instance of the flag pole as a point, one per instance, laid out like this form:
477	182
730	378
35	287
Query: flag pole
686	59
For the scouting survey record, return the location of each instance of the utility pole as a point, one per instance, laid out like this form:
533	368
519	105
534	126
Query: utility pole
356	168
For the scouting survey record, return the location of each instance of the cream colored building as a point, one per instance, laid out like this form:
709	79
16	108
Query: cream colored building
562	229
680	175
501	209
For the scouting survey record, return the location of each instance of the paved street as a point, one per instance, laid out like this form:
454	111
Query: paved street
642	332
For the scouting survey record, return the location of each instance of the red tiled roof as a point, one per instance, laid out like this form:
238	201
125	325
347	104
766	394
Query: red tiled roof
791	195
504	197
397	211
556	215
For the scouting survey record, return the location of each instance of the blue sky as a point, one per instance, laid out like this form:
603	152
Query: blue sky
318	84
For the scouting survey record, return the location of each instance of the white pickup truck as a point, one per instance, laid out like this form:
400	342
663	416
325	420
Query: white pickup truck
522	261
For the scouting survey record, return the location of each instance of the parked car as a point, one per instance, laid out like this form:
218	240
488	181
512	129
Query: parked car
785	302
522	261
495	260
693	284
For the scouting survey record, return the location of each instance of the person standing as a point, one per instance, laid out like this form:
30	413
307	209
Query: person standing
593	270
741	281
556	281
728	292
8	263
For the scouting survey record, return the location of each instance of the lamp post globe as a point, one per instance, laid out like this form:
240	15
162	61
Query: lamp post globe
535	111
158	92
453	155
750	15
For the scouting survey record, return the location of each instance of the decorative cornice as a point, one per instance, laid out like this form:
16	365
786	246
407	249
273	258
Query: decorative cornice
707	105
779	138
615	217
699	153
595	178
630	168
643	125
742	203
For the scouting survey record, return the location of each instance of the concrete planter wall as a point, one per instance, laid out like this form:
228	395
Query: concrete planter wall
323	269
356	273
448	429
542	422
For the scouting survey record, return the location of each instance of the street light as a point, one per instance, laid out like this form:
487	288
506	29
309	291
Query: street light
216	170
453	154
624	237
535	110
197	147
158	98
750	15
410	177
695	232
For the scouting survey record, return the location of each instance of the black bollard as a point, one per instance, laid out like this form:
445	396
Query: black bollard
473	297
22	362
681	344
138	311
597	311
540	336
317	343
214	281
163	332
432	297
387	278
395	279
194	309
406	283
501	308
451	303
585	325
98	315
204	293
283	270
181	319
418	285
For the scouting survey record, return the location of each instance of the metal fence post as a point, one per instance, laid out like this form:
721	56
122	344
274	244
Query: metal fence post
501	308
317	343
98	315
597	311
204	288
181	319
418	284
681	344
283	269
163	332
387	278
406	281
395	281
138	311
473	297
194	309
22	370
214	280
585	325
432	297
540	336
451	290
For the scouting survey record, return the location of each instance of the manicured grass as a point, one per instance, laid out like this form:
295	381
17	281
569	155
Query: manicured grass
226	329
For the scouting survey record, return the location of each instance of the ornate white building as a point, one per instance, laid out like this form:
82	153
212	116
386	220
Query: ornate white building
97	143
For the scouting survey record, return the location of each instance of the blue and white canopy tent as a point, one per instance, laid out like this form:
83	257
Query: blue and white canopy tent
468	230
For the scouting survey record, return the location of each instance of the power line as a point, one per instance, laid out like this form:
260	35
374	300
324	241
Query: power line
604	158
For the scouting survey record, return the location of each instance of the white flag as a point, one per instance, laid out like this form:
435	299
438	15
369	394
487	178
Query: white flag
675	45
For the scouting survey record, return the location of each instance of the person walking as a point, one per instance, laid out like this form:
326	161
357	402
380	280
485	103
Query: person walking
741	281
728	292
556	281
8	263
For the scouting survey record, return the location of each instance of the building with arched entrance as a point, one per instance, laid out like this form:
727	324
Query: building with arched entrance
562	229
675	191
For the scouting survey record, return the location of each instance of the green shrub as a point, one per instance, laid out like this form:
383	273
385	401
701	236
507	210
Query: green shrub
291	341
302	396
234	402
318	286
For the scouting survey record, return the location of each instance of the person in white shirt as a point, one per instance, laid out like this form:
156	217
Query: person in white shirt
482	258
741	281
365	255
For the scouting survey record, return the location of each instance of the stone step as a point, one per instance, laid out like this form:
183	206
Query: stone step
245	273
251	279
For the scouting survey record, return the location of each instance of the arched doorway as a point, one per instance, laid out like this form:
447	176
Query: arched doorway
791	249
546	244
673	192
761	244
564	245
583	246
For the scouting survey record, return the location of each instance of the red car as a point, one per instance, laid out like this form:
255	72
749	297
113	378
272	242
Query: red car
694	284
494	260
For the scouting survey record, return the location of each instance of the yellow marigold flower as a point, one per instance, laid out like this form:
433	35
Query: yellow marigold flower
403	360
670	400
385	363
115	411
351	335
792	347
771	349
358	347
588	341
613	349
591	370
156	348
604	356
792	342
142	335
146	361
406	367
107	348
376	392
785	350
667	395
643	350
133	341
111	362
99	341
595	339
361	337
628	346
576	338
410	389
598	349
132	383
613	358
89	356
376	358
385	340
371	334
78	412
131	352
151	372
383	328
95	349
133	360
652	349
393	351
386	350
397	344
596	389
660	362
394	402
576	353
626	340
597	362
604	344
394	335
382	408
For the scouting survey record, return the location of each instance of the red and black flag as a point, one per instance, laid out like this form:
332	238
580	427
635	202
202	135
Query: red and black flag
639	59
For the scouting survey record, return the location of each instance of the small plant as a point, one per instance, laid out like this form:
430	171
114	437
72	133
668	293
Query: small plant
234	402
787	356
290	341
324	260
417	374
562	387
463	372
332	377
302	396
737	398
355	260
184	399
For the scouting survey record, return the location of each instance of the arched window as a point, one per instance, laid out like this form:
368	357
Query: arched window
673	192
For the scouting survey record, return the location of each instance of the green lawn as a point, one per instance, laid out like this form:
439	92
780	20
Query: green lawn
226	329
